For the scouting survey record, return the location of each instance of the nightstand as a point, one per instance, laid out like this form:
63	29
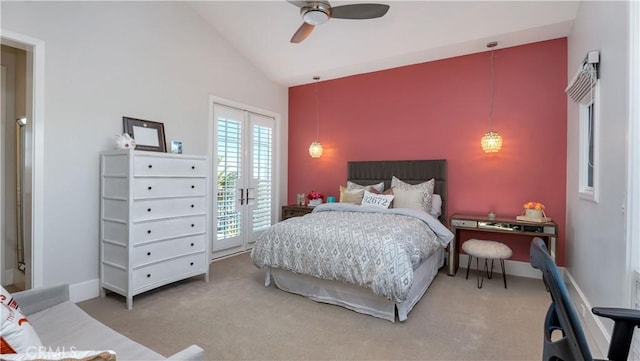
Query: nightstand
293	210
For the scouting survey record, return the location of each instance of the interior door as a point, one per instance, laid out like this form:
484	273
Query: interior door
243	143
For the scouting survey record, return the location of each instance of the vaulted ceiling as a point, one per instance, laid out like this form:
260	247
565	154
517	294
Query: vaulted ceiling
411	32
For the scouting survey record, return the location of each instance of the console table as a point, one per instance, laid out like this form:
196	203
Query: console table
547	231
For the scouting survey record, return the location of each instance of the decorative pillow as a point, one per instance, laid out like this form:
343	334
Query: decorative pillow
377	200
436	205
426	188
18	336
408	199
62	356
351	196
379	186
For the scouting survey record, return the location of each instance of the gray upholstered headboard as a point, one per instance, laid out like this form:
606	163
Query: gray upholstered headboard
410	171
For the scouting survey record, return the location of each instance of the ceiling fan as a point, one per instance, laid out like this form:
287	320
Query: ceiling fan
316	12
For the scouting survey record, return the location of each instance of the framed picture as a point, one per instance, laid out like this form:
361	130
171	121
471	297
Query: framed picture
147	134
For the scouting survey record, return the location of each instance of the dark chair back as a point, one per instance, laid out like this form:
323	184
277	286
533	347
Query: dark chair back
562	314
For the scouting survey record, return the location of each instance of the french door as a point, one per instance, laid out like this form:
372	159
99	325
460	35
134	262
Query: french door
244	173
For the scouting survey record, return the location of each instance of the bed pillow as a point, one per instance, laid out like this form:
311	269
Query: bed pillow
377	200
436	205
411	198
426	188
18	336
351	196
378	187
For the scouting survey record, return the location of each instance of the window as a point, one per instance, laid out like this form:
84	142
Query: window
584	90
588	172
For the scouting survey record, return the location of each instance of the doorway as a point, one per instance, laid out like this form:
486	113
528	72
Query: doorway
14	78
21	161
244	168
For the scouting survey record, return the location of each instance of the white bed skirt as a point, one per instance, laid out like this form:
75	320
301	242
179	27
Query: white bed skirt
356	298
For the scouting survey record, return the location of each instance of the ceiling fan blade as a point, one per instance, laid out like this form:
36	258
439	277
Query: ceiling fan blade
303	31
359	11
298	3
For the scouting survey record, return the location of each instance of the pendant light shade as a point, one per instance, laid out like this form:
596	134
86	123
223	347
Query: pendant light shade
315	149
492	141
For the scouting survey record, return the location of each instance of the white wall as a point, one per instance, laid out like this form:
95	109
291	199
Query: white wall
596	237
104	60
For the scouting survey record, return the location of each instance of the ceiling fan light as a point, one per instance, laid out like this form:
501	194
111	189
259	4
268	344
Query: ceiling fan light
315	17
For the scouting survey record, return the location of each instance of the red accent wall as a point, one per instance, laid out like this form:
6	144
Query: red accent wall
440	109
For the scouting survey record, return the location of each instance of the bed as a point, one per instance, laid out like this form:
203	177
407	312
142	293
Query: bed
382	295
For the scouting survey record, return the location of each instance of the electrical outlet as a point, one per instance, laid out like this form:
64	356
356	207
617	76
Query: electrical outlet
583	310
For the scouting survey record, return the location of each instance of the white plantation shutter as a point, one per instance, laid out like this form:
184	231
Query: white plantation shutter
262	172
228	173
580	88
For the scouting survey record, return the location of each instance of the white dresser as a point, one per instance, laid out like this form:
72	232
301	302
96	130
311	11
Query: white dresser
153	220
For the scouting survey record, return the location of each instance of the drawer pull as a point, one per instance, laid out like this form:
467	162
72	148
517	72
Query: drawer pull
193	167
191	244
148	209
192	206
148	231
192	263
150	166
192	225
148	275
149	187
148	253
193	186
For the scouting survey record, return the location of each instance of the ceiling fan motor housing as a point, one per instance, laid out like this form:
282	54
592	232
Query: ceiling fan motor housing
316	13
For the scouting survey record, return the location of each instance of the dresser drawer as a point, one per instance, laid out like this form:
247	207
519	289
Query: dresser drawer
143	232
168	187
157	251
169	167
168	270
168	207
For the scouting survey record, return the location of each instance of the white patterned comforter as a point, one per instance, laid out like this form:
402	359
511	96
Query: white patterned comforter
369	247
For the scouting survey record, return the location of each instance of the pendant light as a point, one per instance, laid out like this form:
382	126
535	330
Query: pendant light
315	149
492	141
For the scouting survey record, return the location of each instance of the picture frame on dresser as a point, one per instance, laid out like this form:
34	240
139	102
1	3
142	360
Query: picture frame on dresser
149	135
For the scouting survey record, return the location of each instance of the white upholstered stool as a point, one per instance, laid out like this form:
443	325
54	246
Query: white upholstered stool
489	250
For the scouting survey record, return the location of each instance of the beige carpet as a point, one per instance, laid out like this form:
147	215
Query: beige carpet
235	317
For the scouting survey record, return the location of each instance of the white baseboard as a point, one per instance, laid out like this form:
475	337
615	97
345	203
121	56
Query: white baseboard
592	324
83	291
514	268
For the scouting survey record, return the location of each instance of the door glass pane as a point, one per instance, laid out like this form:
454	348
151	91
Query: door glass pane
262	171
228	172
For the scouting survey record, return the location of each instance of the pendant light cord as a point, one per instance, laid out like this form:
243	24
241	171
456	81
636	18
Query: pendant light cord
316	78
492	90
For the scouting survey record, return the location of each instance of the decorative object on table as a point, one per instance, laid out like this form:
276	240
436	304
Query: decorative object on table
148	135
533	212
176	147
124	141
301	199
315	198
492	141
331	199
491	216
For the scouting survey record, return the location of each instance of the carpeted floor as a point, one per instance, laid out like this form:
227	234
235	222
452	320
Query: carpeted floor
234	317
